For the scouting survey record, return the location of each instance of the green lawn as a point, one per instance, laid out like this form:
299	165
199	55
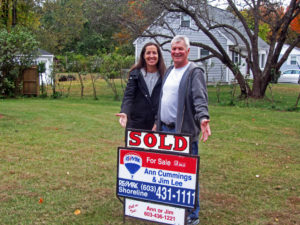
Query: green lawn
60	155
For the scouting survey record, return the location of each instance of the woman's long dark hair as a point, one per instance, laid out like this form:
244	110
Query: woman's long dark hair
161	67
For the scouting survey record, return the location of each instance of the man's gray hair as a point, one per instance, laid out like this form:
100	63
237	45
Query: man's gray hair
184	38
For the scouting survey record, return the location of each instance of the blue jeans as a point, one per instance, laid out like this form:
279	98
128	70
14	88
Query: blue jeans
192	213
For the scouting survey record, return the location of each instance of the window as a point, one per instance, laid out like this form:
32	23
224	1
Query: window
293	60
262	60
185	20
287	72
203	53
236	58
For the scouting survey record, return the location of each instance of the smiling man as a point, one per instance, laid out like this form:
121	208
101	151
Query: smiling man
184	104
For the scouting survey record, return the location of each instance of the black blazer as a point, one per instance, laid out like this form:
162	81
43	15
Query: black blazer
140	107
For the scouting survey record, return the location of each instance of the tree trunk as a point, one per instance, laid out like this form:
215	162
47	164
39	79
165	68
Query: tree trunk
256	93
81	84
69	88
296	105
93	79
4	13
14	13
259	88
245	90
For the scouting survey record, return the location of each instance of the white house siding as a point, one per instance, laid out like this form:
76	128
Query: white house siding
287	65
215	71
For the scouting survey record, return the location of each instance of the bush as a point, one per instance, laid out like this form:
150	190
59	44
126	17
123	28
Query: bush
18	49
111	68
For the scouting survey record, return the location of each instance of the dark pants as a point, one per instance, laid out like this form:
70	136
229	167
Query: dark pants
192	213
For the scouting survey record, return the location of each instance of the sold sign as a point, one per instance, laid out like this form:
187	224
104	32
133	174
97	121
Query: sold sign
161	141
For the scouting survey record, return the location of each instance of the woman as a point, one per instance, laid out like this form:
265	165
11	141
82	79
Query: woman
140	102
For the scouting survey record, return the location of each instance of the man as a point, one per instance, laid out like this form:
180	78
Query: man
184	104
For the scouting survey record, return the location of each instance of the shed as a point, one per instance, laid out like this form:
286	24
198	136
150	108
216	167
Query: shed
47	58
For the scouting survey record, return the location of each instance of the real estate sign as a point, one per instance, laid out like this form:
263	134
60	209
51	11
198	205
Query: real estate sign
157	177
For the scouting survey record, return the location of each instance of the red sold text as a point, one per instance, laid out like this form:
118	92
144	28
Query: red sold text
159	141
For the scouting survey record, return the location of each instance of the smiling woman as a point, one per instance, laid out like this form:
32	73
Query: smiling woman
140	102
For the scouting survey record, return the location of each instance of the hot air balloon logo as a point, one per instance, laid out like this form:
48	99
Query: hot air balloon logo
133	163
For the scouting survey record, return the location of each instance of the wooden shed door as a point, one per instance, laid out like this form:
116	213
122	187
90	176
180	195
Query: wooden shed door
31	81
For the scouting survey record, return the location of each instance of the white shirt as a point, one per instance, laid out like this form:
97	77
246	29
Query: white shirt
169	100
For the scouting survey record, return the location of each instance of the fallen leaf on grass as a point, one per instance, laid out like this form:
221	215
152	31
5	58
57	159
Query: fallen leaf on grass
278	187
77	212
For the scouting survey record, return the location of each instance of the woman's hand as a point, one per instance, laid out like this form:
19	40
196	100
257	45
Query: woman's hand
123	119
154	127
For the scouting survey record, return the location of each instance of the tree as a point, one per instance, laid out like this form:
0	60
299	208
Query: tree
61	24
294	31
91	43
264	29
295	24
111	69
119	27
19	12
200	12
18	49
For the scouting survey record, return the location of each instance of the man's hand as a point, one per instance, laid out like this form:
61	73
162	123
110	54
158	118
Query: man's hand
205	130
123	119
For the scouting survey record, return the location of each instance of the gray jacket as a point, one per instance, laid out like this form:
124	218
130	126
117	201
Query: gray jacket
192	102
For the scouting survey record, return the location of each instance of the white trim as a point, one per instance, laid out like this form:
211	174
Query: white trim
229	42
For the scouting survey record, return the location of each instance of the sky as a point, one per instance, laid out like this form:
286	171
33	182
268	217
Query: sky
223	3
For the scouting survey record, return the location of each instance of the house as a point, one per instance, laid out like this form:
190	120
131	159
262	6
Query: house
47	58
293	60
215	70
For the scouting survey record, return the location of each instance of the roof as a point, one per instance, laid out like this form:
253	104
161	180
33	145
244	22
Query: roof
221	16
295	51
43	52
